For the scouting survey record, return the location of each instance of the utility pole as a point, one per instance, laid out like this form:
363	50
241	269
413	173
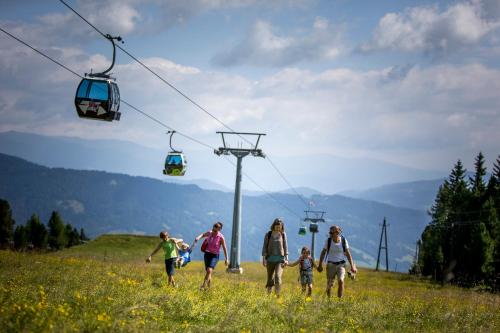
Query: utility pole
380	247
313	226
239	153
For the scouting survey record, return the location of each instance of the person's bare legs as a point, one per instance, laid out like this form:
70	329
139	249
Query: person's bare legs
340	290
171	280
309	289
208	278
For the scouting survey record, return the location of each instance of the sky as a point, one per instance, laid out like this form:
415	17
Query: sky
413	83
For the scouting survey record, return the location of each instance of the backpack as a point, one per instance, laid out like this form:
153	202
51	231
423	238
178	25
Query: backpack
204	245
207	239
342	239
302	262
268	237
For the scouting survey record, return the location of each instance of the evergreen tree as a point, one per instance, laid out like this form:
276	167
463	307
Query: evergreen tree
481	249
72	235
83	236
20	237
431	253
6	224
496	168
462	242
434	236
57	236
477	182
37	233
457	178
494	221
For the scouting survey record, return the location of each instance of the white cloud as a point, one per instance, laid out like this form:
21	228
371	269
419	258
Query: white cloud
429	30
111	16
263	47
385	113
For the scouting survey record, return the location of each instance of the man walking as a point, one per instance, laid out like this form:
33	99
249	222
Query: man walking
336	249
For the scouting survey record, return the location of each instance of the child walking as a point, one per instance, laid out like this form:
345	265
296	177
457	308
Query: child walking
306	264
170	247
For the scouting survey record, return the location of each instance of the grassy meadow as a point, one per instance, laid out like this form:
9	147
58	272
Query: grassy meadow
106	286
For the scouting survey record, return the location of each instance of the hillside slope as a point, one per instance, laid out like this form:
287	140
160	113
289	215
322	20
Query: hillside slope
105	286
104	202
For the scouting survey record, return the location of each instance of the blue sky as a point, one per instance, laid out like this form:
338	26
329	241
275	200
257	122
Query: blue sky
409	82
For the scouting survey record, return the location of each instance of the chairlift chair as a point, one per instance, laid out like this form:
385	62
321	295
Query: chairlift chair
313	227
175	162
97	96
302	231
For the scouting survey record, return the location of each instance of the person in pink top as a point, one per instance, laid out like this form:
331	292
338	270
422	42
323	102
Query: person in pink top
211	247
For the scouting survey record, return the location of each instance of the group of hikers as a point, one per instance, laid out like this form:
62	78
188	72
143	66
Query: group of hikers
274	257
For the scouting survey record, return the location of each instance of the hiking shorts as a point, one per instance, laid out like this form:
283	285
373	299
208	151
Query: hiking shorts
170	266
211	260
306	277
333	271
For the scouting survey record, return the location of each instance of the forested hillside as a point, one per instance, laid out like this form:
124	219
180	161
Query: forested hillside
104	202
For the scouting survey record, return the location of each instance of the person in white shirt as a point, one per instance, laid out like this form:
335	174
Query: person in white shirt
336	249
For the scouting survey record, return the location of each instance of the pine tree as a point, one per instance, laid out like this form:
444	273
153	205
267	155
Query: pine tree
83	236
478	185
481	249
20	237
431	253
57	236
6	224
496	168
37	233
494	220
458	258
72	235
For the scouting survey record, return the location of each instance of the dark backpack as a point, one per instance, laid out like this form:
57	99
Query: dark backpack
342	239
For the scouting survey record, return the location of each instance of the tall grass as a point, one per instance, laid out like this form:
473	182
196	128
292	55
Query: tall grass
105	286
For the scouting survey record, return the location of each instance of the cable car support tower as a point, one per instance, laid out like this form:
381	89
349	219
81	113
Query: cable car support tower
240	153
313	217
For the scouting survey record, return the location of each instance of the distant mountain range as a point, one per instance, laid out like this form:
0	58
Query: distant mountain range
310	174
416	195
103	202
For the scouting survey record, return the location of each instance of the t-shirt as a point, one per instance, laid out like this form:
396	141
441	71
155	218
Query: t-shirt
186	255
169	249
214	242
305	264
336	253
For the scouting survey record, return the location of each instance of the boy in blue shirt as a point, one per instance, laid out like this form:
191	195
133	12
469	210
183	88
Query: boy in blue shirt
184	256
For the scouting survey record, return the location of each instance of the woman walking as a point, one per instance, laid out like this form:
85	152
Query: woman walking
275	255
211	247
170	247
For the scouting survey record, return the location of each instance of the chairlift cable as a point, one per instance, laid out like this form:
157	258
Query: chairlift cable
155	74
148	116
185	96
40	53
286	181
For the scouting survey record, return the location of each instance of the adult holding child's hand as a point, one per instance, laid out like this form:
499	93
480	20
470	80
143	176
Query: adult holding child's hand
335	250
170	247
214	239
275	255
